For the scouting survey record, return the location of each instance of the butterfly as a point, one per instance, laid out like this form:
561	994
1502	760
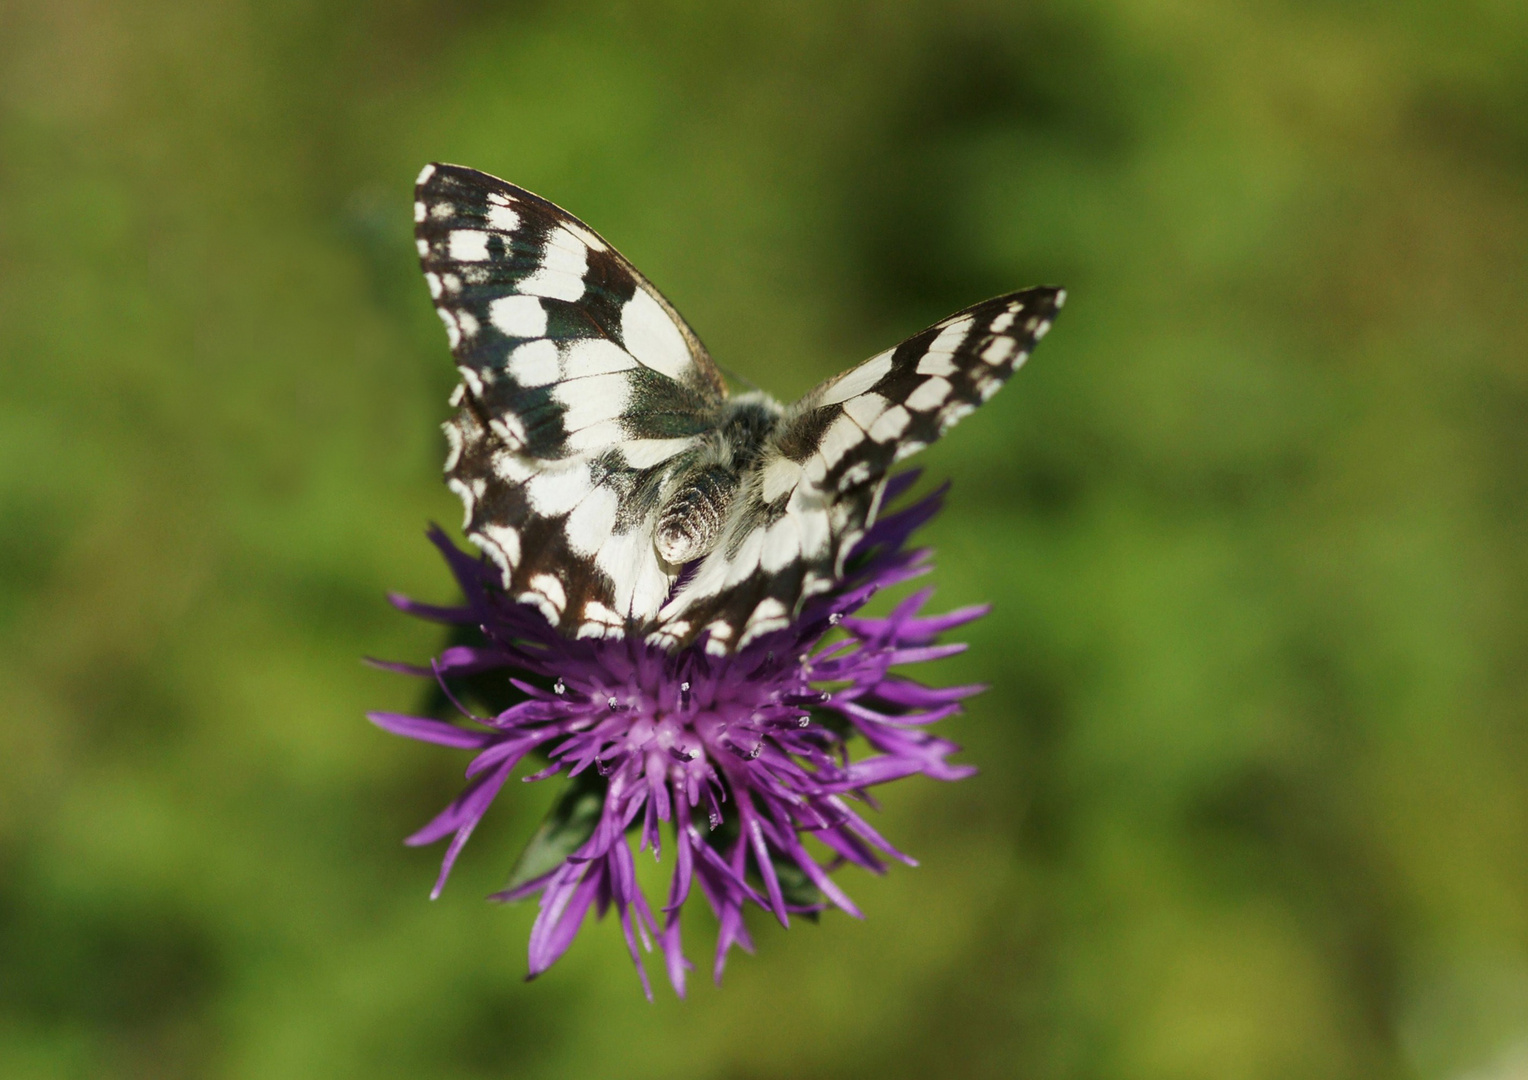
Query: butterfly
602	463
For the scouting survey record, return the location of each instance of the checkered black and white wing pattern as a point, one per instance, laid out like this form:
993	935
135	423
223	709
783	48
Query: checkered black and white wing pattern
817	484
582	390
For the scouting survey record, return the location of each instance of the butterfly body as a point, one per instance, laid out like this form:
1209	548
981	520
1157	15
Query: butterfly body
604	467
705	485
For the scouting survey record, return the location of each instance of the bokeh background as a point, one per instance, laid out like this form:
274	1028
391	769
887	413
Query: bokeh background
1254	523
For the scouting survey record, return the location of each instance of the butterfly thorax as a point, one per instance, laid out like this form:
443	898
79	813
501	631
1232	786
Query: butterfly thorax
704	486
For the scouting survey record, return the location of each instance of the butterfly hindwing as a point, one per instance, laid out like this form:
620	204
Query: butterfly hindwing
582	389
816	486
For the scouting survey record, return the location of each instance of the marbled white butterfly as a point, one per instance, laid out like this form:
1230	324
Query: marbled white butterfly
604	466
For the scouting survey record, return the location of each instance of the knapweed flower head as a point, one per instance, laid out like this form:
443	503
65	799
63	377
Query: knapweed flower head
738	758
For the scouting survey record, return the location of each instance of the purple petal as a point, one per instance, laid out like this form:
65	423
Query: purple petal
563	907
435	731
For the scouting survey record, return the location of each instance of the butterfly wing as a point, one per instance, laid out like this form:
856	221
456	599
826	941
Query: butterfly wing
816	487
582	390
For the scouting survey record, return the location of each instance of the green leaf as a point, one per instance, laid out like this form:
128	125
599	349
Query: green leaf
796	887
567	825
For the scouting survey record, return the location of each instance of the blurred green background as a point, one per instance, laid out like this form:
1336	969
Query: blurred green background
1254	523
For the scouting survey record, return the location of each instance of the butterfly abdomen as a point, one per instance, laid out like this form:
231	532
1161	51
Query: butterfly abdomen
701	496
693	516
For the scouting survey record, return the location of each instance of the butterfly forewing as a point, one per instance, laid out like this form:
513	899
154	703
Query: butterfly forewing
586	402
580	388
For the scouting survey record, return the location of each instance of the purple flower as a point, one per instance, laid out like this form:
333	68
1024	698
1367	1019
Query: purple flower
741	756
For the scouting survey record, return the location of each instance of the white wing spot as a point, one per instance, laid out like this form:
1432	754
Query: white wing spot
908	449
468	245
667	636
554	492
589	525
747	558
464	493
509	428
423	247
594	356
1002	322
953	413
507	540
890	424
856	381
651	336
814	584
432	281
488	548
453	335
511	467
549	587
518	316
596	438
588	401
535	363
542	602
453	444
641	585
929	394
424	175
418	211
502	218
721	631
768	616
854	475
951	336
936	364
600	621
780	475
1000	350
865	408
560	276
598	611
808	510
782	542
839	439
